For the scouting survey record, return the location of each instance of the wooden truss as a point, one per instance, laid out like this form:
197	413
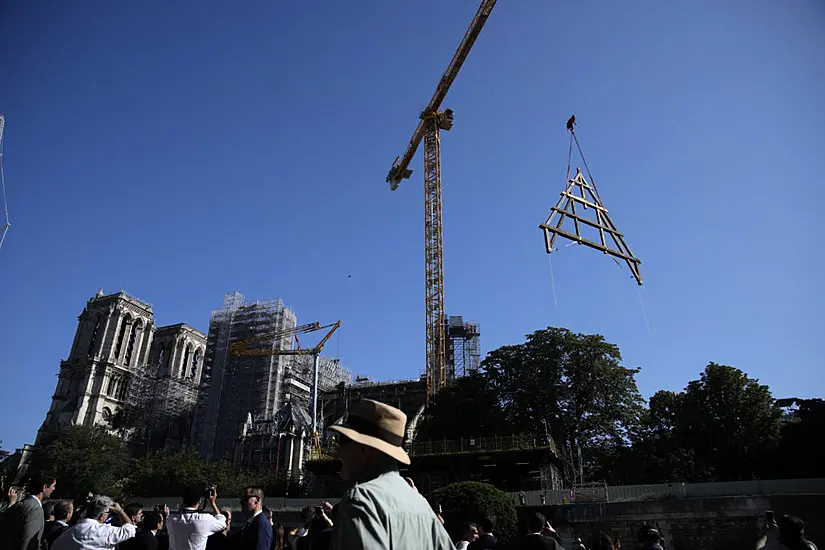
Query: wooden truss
580	192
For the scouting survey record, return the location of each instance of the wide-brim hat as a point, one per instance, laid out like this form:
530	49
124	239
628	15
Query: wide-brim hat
376	425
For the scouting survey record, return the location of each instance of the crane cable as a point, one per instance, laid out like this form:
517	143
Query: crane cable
584	160
6	224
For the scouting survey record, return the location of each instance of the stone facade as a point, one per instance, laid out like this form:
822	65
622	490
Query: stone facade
119	361
113	337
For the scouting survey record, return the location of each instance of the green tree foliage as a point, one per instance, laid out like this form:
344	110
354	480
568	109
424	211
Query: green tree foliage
166	474
572	383
723	426
169	473
800	453
83	459
472	501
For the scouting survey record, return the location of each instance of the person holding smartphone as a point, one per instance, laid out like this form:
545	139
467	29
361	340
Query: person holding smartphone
190	528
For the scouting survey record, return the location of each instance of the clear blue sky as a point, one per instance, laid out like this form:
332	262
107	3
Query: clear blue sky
180	150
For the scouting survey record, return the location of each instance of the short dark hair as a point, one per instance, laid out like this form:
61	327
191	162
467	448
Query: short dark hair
48	509
648	533
603	542
488	523
267	512
192	495
151	519
467	527
133	508
61	510
255	491
536	522
37	481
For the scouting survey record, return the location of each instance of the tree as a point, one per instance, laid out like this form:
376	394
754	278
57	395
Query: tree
473	501
730	422
799	453
166	473
84	459
571	384
447	416
722	427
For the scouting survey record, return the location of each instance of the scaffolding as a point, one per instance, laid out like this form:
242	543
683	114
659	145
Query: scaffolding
233	387
298	378
463	347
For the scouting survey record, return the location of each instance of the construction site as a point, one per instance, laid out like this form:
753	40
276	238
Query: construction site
243	389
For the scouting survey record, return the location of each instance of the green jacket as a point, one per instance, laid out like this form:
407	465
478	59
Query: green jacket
386	512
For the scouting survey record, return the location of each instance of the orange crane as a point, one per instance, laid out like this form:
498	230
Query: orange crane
243	349
431	122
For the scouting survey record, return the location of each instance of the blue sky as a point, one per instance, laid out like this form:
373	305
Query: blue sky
180	150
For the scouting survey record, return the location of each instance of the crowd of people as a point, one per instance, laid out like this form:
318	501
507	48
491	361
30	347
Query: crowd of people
382	510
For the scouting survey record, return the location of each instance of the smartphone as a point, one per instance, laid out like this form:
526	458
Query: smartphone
769	517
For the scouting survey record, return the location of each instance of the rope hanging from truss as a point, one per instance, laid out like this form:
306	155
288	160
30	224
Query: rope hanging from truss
6	223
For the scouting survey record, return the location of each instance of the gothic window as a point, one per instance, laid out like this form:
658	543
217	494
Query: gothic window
185	362
122	391
93	340
109	385
120	336
132	339
195	360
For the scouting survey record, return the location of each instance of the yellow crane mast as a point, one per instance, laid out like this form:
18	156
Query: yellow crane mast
431	122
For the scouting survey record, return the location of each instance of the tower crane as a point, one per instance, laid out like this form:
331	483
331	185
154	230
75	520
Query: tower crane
431	122
244	348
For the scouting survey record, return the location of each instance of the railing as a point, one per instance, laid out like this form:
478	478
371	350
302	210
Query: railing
481	445
627	493
620	493
465	445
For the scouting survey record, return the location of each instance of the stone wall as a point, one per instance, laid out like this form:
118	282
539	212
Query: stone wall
686	524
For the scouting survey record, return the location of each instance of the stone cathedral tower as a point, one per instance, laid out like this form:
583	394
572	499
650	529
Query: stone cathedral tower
113	339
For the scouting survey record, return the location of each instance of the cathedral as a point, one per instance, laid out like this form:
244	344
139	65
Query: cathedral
128	375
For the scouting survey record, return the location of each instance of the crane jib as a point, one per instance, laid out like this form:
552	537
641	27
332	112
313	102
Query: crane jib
400	169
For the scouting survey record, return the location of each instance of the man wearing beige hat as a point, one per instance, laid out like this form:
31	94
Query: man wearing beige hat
381	510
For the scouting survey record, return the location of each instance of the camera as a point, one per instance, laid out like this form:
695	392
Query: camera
209	492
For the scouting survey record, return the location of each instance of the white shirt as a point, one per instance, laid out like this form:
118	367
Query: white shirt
90	534
189	529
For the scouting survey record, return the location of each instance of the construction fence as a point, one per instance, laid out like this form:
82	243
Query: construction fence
590	493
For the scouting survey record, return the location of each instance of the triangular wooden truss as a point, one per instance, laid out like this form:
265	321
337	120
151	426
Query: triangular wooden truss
579	192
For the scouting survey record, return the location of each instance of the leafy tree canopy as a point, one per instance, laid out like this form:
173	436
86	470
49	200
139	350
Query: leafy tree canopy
84	459
473	501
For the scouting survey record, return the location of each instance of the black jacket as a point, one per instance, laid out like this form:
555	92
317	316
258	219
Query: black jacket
537	542
51	531
143	540
485	542
256	534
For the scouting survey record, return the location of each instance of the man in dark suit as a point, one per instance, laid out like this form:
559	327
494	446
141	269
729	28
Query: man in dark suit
486	539
146	538
257	533
540	536
63	511
25	520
